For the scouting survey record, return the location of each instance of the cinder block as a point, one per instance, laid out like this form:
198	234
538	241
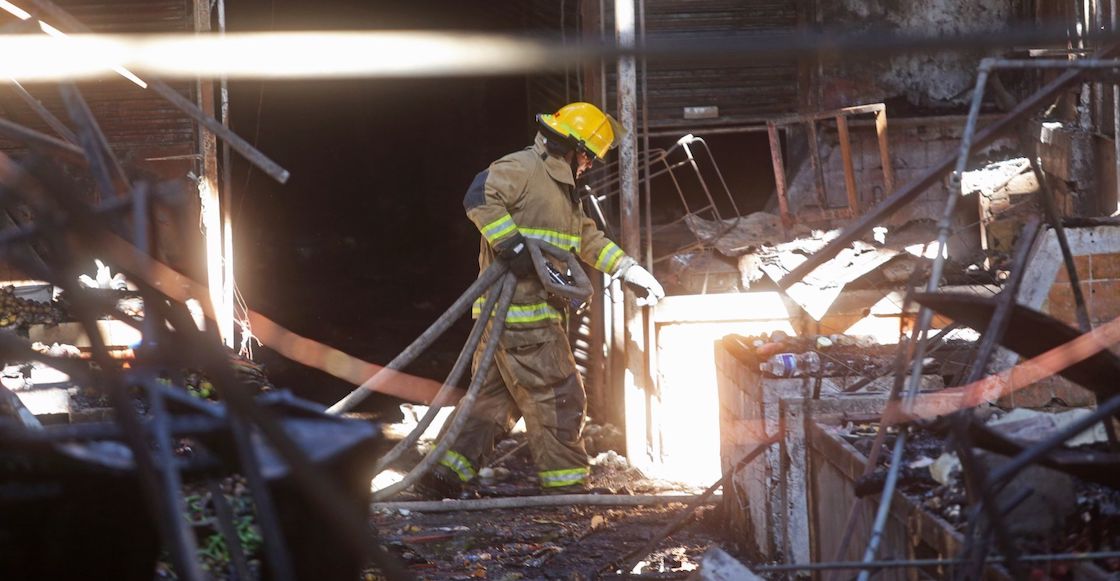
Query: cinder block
1084	271
1104	305
1105	266
1061	305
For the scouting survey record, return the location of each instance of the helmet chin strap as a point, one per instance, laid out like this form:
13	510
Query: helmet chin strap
573	165
580	180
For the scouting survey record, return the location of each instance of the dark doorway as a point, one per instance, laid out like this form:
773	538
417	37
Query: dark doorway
367	243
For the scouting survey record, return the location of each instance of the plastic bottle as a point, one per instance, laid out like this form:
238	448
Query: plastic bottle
791	364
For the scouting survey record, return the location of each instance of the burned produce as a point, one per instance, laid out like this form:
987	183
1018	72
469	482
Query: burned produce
16	311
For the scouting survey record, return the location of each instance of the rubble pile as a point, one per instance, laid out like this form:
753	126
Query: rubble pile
1047	510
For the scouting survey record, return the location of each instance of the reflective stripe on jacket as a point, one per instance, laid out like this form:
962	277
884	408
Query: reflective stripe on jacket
530	192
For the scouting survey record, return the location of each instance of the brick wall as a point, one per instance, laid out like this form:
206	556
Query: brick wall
1046	287
1099	275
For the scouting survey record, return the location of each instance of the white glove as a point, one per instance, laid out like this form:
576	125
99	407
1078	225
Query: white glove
638	276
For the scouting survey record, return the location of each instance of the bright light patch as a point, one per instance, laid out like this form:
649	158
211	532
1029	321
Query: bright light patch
50	30
51	58
14	10
688	415
269	55
385	480
927	250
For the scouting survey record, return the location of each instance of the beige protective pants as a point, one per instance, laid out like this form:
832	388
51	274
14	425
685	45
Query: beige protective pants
534	375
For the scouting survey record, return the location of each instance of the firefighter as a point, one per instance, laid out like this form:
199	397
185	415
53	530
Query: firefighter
532	194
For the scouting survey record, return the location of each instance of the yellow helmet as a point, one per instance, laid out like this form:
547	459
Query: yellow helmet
584	126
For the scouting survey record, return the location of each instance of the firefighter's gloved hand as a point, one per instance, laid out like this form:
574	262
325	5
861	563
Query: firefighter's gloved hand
639	277
516	255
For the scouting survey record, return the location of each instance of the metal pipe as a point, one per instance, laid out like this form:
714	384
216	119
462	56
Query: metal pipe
223	107
1095	63
36	140
55	123
1115	116
753	128
551	500
776	160
719	175
902	355
760	125
107	172
815	163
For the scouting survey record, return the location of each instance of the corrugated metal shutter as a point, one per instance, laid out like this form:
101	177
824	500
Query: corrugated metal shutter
742	92
138	123
556	20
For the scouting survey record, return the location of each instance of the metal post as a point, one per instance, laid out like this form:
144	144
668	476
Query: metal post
1115	117
815	161
227	192
849	169
634	375
884	152
779	173
210	197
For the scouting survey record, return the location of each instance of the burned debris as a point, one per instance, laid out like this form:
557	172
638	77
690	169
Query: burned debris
895	359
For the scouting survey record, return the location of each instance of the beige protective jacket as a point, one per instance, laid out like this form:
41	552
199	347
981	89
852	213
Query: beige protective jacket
530	192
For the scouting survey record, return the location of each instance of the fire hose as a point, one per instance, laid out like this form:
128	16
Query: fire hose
578	287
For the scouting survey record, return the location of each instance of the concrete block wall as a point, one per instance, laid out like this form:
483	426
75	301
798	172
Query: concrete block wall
1046	288
1099	275
914	148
